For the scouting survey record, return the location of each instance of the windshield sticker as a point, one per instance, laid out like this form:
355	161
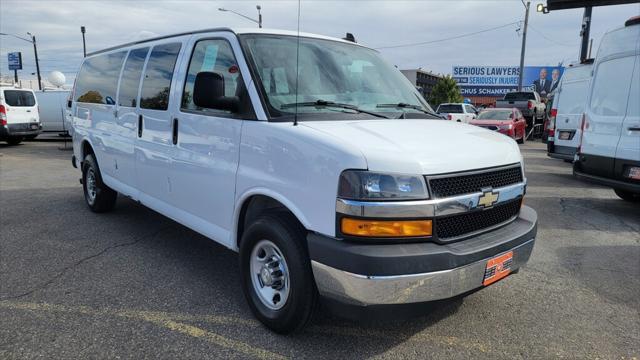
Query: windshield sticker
210	56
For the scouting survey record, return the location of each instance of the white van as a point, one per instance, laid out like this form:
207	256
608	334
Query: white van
19	116
336	182
566	114
610	150
52	104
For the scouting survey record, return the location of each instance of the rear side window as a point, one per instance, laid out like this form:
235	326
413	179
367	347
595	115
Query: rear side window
131	77
98	79
214	56
157	77
455	109
611	87
520	96
19	98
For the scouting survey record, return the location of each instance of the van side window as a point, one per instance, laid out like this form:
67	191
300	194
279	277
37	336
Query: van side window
213	56
611	86
98	79
131	77
157	76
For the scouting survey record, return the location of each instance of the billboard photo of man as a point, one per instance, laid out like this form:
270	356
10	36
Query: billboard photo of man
555	81
542	85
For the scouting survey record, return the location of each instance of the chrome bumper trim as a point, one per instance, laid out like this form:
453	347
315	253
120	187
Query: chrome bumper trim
411	288
424	208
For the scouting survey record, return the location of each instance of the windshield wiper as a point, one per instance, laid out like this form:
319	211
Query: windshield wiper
408	106
322	103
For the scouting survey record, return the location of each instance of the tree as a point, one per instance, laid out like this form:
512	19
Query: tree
446	90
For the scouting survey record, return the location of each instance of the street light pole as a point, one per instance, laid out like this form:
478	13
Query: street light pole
524	44
259	21
84	45
586	27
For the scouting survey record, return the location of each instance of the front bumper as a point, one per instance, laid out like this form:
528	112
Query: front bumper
381	274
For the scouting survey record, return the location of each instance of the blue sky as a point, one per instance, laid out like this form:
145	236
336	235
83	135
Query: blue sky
552	38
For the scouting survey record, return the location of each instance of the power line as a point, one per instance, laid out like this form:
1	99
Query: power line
449	38
548	38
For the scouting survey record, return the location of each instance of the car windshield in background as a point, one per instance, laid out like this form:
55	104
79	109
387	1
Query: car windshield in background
450	109
519	96
355	78
19	98
495	115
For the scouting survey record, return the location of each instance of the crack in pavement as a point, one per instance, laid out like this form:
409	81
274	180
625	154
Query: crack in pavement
81	261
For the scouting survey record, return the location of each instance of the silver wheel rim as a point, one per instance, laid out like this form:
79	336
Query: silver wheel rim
91	186
269	274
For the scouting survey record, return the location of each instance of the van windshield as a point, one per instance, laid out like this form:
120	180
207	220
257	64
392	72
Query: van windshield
333	77
19	98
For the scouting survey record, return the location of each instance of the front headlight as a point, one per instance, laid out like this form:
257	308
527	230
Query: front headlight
365	185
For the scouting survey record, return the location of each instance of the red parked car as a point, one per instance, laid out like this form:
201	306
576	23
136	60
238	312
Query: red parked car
508	121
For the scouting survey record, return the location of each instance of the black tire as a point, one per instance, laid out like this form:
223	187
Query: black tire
283	230
14	140
522	139
628	195
104	198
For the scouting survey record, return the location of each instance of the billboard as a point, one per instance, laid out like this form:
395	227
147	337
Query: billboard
15	60
496	81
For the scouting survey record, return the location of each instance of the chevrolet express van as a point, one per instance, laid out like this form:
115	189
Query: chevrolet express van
337	181
566	114
19	115
609	153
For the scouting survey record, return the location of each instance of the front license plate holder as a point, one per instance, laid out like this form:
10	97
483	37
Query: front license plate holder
497	268
34	126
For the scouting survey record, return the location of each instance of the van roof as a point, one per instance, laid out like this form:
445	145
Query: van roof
237	31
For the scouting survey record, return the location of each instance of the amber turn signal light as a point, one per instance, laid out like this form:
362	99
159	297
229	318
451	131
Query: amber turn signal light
386	228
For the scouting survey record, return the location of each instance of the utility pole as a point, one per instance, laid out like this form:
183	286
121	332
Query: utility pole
84	45
35	52
586	27
524	44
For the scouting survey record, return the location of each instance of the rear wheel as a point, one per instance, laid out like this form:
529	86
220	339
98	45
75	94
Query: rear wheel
276	272
628	195
14	140
522	139
98	196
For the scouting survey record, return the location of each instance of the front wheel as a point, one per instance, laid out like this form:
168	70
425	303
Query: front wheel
276	273
98	196
628	195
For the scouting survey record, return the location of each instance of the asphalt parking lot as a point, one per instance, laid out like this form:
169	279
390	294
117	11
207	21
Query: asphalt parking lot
134	284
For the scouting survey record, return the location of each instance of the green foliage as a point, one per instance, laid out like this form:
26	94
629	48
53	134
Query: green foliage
446	90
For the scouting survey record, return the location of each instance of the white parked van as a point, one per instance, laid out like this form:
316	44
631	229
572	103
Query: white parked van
566	114
53	104
610	150
337	181
19	116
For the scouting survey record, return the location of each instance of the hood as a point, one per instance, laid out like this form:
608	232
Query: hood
422	146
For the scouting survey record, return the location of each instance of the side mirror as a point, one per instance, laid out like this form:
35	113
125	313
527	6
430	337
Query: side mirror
208	92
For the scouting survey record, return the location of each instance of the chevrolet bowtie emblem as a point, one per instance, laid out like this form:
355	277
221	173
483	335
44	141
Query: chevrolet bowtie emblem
487	199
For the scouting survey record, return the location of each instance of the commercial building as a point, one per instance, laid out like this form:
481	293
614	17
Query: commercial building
422	79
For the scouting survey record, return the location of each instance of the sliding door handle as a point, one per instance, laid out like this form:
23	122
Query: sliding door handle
634	128
140	124
175	131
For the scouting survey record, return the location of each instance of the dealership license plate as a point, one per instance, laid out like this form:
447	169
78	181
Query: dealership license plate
497	268
34	126
564	135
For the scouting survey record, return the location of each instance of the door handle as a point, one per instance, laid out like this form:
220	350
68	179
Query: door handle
634	128
175	131
140	123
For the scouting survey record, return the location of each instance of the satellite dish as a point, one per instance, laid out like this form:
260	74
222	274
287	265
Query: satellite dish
57	78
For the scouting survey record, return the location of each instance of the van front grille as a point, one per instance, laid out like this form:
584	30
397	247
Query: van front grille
442	187
459	225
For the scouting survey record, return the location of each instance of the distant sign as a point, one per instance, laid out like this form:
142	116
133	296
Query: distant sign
15	60
496	81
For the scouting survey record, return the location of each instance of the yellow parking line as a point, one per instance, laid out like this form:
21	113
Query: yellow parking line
162	319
